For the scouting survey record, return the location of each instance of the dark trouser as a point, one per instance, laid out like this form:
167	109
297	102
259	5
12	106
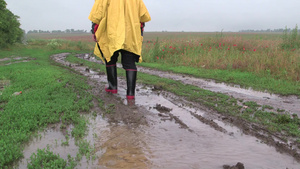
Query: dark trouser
128	60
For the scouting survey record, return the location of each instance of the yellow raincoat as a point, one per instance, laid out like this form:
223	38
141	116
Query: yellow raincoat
119	26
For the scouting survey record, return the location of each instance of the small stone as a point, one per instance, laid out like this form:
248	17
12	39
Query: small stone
239	165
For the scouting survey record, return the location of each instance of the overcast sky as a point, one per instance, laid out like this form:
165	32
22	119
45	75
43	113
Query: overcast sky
170	15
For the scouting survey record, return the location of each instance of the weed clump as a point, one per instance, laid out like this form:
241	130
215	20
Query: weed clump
291	40
44	158
54	44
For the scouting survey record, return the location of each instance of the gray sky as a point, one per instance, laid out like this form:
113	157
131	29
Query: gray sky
170	15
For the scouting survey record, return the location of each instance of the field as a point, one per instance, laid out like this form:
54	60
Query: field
62	92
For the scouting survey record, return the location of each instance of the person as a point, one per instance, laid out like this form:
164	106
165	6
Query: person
118	29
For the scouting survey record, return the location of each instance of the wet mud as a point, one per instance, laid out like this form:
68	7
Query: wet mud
14	59
161	130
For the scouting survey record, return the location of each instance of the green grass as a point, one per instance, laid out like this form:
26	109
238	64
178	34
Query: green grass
50	94
84	149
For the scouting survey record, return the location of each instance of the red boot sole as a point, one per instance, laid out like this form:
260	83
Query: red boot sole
130	97
115	91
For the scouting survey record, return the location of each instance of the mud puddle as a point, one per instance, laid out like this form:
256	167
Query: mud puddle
15	59
55	140
158	131
187	142
164	142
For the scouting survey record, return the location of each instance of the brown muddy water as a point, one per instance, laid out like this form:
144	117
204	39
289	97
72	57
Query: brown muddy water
172	134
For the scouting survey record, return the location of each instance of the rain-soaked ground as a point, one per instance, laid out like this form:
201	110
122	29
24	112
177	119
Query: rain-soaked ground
159	130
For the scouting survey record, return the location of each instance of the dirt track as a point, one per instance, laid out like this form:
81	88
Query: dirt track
159	130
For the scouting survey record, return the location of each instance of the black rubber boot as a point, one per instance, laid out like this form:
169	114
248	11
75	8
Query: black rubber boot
131	80
111	72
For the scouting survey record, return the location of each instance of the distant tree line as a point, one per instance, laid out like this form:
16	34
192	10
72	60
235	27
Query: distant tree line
58	31
269	30
10	31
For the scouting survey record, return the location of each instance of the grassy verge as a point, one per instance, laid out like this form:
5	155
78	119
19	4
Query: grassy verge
50	94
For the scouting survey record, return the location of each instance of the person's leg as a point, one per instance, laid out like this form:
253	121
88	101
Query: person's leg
128	62
111	71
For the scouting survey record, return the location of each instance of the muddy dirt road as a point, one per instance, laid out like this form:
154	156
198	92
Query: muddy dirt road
159	130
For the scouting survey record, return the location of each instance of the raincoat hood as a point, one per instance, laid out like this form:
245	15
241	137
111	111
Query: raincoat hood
122	29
